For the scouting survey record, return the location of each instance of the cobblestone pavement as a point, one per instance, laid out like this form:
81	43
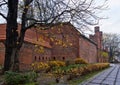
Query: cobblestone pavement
110	76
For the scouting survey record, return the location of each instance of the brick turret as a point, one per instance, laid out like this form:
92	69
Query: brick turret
97	37
97	29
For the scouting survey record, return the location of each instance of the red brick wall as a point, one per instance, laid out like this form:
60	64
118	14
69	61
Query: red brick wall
75	46
87	50
42	56
2	32
68	35
2	53
25	57
81	46
97	38
28	55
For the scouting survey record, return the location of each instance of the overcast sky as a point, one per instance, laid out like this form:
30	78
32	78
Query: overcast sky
112	24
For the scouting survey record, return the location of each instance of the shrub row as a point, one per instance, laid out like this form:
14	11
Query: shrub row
80	61
40	66
45	66
81	70
53	64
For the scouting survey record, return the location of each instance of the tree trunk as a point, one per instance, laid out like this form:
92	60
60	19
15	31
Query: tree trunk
15	60
13	41
11	34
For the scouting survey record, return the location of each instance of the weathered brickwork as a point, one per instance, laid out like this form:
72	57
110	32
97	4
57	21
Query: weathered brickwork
67	35
97	38
81	46
60	42
28	55
2	53
87	49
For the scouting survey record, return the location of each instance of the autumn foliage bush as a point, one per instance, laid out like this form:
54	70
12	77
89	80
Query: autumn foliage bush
59	68
81	69
80	61
53	64
46	66
94	67
40	66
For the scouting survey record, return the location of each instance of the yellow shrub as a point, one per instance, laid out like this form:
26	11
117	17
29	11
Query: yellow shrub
40	66
56	63
82	70
80	61
104	54
88	68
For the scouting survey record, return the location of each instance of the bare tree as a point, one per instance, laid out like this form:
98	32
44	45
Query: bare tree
80	13
3	8
42	12
112	42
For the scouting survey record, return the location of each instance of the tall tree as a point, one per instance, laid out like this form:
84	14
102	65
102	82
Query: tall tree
112	42
42	12
11	34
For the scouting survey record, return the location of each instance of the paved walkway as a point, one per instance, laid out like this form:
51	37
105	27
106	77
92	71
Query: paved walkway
110	76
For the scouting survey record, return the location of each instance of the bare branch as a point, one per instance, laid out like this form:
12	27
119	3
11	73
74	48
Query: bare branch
3	16
55	11
1	4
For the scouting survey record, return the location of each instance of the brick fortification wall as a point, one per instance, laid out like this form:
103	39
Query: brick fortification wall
72	45
2	53
81	46
28	55
68	35
87	49
97	38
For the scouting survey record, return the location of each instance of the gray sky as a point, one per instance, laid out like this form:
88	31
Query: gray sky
110	25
